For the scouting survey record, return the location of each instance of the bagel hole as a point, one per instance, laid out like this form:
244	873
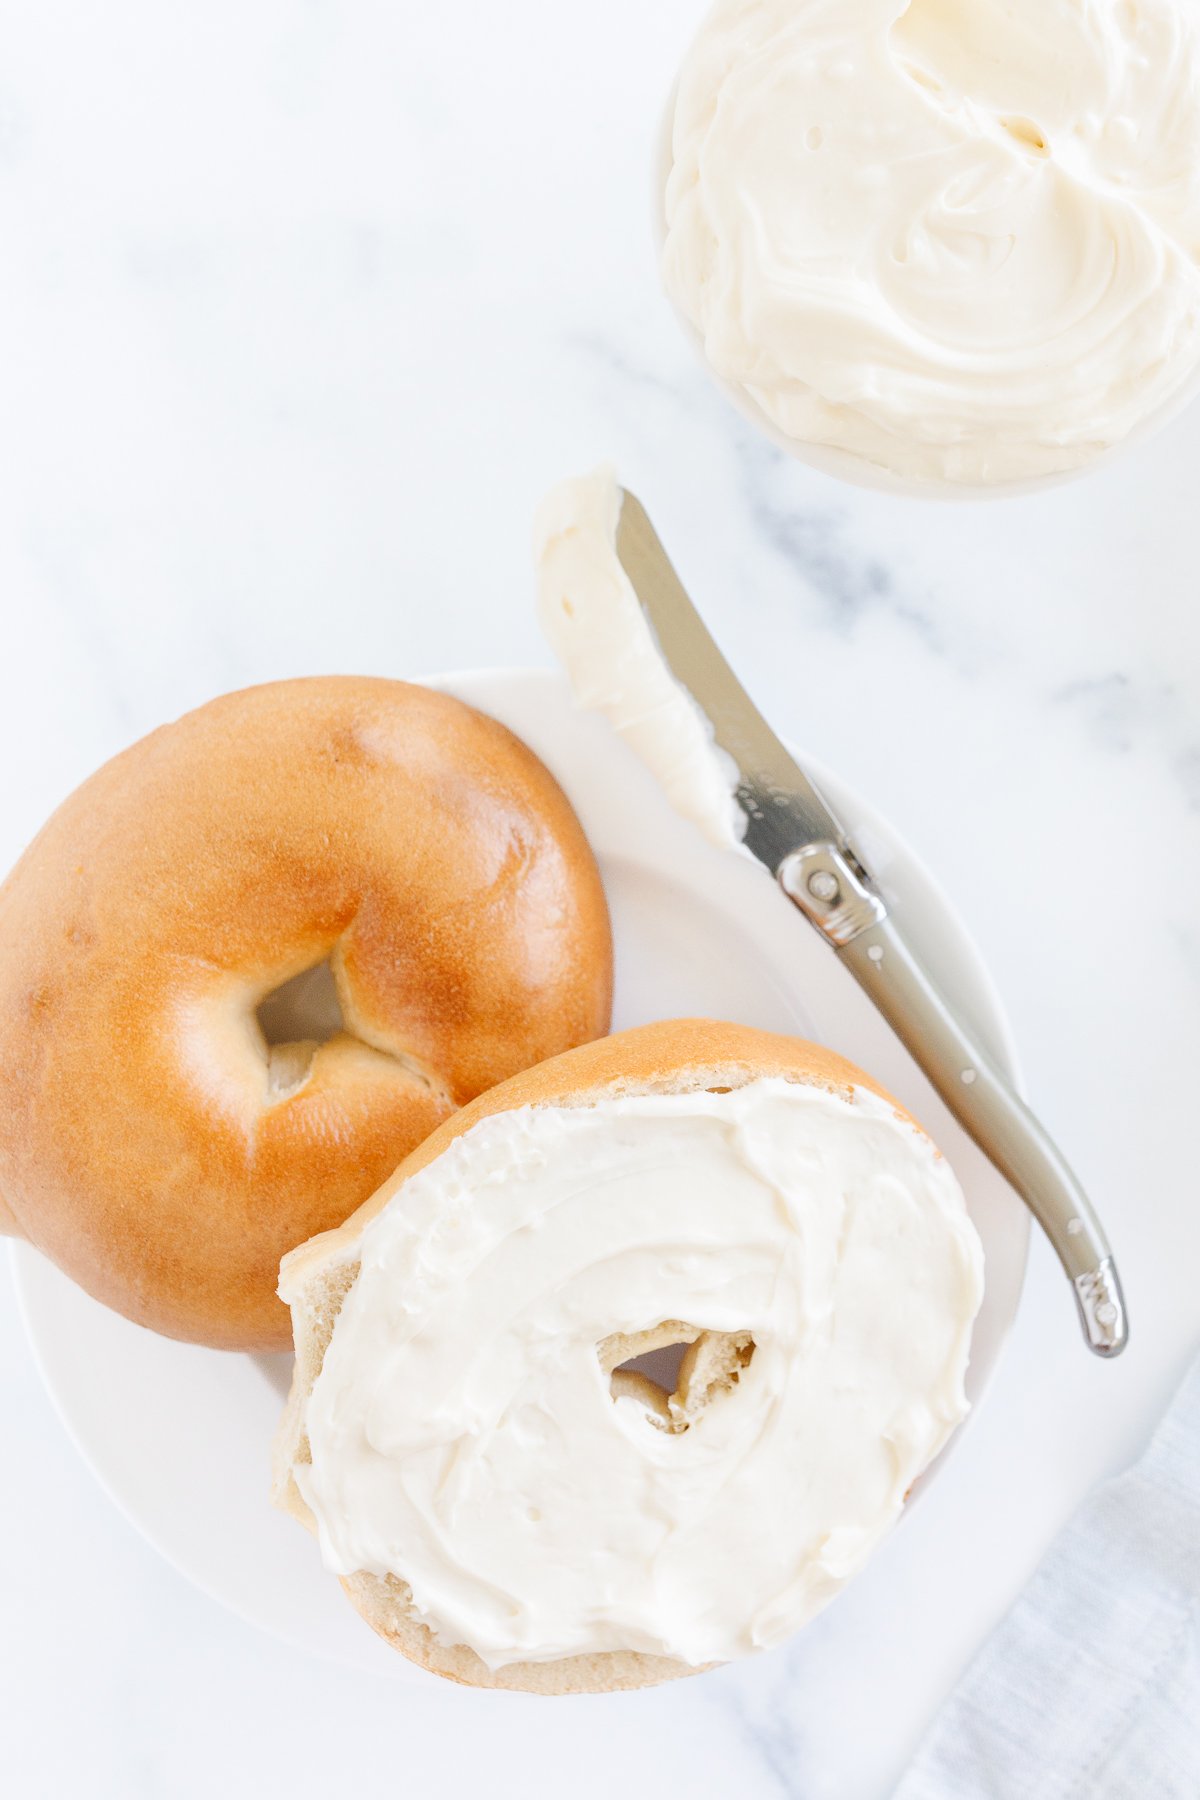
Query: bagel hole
679	1374
295	1020
288	1067
305	1009
659	1366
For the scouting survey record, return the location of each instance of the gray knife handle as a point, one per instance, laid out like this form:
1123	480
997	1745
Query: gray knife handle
832	889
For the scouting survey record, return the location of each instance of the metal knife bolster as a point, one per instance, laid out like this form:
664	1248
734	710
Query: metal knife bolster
829	885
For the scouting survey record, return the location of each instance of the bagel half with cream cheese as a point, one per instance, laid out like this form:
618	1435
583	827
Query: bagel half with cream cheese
510	1506
153	1141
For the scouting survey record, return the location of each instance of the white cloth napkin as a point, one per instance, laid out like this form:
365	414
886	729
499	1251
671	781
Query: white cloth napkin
1090	1688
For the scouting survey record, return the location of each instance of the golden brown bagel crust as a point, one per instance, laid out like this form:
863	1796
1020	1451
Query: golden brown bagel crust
412	841
678	1055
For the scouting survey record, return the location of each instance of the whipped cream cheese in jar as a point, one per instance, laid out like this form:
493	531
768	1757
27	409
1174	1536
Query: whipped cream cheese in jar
948	246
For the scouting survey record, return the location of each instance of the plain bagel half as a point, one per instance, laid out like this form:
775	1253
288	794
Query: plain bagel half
153	1143
483	1473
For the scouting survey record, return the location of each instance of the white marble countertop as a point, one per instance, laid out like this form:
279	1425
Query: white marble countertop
303	307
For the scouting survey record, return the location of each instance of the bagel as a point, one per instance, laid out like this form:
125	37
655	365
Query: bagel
152	1142
509	1506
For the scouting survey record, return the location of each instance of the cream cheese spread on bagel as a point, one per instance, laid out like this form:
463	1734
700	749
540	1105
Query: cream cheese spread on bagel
958	239
465	1433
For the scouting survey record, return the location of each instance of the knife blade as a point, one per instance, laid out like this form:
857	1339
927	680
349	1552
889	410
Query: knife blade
794	832
782	805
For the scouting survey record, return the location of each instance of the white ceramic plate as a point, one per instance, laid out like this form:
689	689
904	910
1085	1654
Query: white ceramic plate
180	1436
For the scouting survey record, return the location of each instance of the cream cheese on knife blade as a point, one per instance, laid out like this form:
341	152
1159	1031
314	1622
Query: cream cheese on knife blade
597	630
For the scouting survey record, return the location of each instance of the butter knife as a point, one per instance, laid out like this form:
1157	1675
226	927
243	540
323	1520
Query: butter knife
793	831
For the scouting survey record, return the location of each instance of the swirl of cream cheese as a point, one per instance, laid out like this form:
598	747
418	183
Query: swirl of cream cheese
462	1429
592	621
957	240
